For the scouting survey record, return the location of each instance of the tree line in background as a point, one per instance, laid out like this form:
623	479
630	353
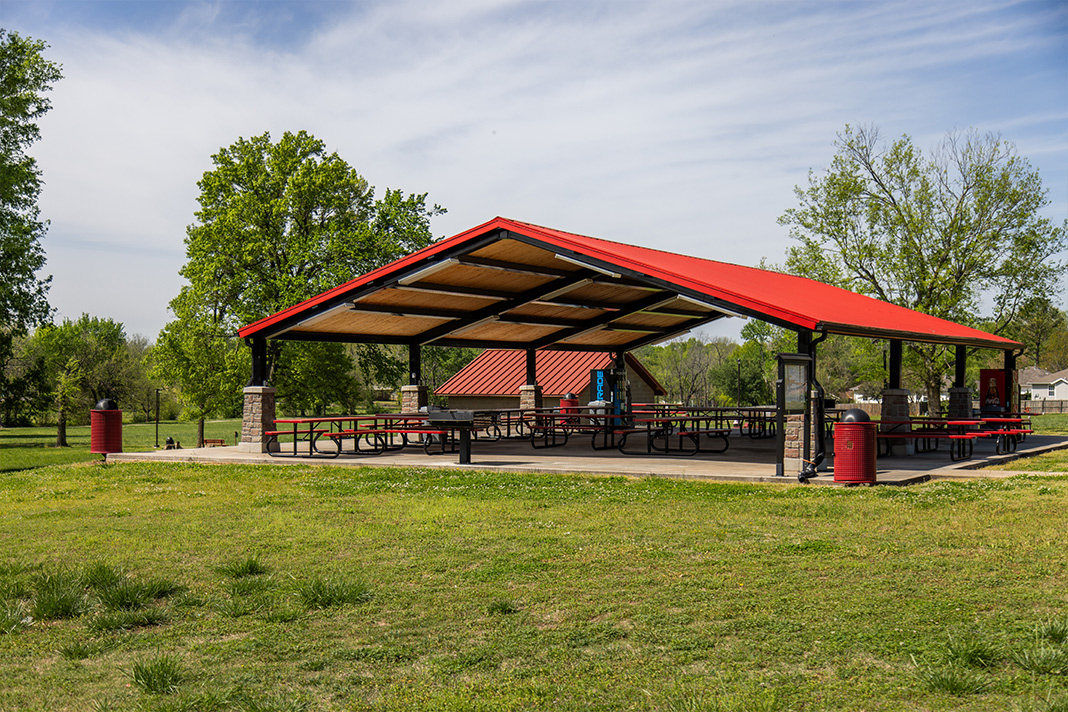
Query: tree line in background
957	235
720	371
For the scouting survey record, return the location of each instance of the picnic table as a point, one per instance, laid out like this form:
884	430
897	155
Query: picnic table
551	427
960	433
756	421
373	429
376	433
678	434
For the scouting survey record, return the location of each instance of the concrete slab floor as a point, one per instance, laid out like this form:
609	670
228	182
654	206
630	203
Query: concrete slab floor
746	460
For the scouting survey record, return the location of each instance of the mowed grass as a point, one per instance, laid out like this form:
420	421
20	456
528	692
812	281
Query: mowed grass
321	588
26	448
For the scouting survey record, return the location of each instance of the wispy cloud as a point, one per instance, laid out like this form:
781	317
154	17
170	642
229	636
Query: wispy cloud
675	124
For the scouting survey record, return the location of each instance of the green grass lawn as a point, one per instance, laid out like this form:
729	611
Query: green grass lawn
25	448
183	587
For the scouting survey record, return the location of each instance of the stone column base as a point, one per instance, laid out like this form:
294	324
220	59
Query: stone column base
896	407
793	449
414	398
960	403
530	397
257	418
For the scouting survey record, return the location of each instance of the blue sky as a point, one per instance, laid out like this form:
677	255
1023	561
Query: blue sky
676	124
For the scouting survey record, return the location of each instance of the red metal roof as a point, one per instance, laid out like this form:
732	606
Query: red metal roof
501	372
772	296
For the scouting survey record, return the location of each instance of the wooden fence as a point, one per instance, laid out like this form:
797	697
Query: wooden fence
1044	406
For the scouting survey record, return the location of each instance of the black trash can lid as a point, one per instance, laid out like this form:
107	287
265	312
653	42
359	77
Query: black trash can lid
106	404
855	415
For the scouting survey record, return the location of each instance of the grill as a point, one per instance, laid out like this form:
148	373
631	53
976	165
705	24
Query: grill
461	420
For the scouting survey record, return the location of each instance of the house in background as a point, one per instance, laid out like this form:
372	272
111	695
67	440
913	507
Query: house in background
1051	387
493	380
1030	375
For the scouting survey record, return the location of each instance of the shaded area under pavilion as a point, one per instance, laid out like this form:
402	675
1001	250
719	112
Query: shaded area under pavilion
513	285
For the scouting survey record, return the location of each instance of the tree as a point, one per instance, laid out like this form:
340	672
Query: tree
141	390
1038	322
282	222
943	235
743	377
25	77
197	354
27	391
683	366
86	361
440	363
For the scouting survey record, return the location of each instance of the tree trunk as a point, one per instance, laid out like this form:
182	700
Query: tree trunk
200	433
934	399
61	428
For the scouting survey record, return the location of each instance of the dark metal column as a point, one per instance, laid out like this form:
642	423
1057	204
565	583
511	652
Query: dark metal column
415	364
961	364
532	367
894	376
804	346
259	361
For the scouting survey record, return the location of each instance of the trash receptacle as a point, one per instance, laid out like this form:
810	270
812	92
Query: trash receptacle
569	404
854	452
105	431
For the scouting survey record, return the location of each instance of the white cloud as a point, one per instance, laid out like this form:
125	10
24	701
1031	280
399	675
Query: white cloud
679	125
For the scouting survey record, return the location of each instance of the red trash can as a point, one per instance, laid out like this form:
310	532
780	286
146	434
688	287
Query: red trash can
854	452
105	428
569	404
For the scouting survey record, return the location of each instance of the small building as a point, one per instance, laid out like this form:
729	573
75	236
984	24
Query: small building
1029	376
493	380
1051	387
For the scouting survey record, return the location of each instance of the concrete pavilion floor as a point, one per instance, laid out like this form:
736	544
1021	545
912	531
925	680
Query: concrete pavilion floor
747	460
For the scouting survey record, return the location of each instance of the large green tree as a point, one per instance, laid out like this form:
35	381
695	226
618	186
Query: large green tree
958	235
201	359
1037	325
25	78
280	222
86	361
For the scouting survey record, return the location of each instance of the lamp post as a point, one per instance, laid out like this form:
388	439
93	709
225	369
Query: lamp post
157	417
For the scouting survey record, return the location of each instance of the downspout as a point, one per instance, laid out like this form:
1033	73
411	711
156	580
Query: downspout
811	466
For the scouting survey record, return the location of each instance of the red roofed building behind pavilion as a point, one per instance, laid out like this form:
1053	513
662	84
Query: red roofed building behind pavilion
494	378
